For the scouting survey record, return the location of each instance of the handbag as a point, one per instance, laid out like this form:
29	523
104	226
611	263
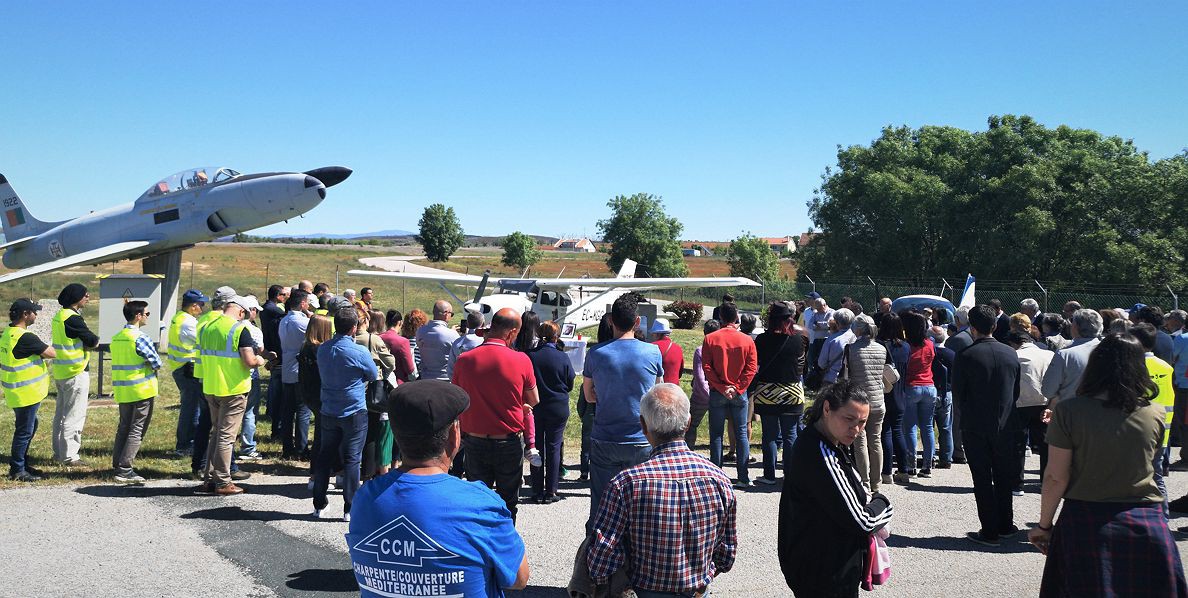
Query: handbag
378	390
890	374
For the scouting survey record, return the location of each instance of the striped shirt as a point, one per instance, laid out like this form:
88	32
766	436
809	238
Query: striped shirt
670	520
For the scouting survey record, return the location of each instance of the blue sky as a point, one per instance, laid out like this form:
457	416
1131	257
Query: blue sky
530	116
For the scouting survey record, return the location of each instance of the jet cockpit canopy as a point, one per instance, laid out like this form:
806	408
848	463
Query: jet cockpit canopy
189	179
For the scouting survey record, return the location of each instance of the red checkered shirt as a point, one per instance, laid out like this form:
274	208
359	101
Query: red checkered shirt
671	519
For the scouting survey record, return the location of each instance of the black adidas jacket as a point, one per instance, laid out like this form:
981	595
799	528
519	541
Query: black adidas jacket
825	518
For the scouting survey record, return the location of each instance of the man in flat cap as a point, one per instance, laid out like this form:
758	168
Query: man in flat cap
71	339
422	527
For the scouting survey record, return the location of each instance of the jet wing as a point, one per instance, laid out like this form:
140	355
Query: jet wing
643	284
17	242
109	253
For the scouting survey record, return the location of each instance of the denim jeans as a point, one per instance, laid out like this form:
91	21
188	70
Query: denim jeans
779	429
247	438
921	405
342	437
190	389
719	407
944	422
294	421
587	428
22	435
895	446
498	463
273	398
607	459
696	414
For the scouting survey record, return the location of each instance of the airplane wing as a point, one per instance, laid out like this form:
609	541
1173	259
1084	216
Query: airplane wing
111	252
443	278
643	284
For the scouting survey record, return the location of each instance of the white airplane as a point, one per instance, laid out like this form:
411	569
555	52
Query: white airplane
192	206
579	301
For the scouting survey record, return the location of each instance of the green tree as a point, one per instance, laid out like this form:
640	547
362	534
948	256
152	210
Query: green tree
519	250
440	232
640	230
750	256
1013	202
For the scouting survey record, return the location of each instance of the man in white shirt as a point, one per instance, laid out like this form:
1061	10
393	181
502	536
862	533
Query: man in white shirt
1030	407
435	340
816	323
1068	365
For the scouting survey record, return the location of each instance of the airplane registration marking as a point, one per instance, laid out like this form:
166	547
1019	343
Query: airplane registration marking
11	201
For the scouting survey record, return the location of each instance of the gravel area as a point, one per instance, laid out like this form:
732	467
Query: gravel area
160	540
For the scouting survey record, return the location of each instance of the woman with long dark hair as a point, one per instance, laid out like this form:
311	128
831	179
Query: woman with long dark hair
895	446
776	391
554	381
919	389
826	518
1112	537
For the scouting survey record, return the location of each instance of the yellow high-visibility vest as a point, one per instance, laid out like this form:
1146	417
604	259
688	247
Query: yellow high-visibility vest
180	352
72	360
25	381
223	372
131	376
1161	374
203	320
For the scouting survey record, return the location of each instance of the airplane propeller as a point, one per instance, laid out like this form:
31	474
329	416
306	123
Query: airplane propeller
330	175
482	286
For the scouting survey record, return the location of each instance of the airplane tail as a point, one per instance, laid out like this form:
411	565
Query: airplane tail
967	296
627	270
18	222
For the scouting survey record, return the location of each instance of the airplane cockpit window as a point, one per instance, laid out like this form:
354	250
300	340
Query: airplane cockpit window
189	179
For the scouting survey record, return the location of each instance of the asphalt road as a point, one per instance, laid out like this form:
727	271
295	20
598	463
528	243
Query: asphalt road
162	540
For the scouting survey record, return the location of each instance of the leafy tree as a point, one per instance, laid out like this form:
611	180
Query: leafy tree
440	233
1014	202
519	250
639	229
750	256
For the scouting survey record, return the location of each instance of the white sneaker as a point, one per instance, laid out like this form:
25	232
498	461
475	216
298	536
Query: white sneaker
346	517
319	514
534	458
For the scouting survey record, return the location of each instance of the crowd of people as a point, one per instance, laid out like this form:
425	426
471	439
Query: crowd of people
403	407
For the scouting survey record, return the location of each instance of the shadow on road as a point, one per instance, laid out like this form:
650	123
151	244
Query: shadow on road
915	486
1017	544
118	491
323	580
538	592
237	513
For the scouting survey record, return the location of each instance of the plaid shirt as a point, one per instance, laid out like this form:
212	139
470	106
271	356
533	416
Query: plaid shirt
145	348
671	518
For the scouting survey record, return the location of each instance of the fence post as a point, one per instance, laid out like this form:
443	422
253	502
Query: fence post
875	301
810	279
266	275
1175	298
1045	292
952	292
337	290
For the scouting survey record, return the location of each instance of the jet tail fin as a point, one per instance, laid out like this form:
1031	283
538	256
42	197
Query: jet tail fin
18	222
967	296
627	270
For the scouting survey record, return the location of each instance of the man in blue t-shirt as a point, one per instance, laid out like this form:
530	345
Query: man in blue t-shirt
419	531
616	376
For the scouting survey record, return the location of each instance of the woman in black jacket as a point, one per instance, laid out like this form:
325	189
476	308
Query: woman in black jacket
826	519
554	381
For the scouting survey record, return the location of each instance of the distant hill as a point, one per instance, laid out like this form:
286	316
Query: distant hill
372	235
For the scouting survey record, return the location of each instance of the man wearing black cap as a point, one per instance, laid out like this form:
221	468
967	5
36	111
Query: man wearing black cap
25	382
71	338
420	531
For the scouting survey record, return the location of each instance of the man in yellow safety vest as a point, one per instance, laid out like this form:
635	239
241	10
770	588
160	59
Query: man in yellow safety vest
71	338
228	357
25	379
182	353
134	365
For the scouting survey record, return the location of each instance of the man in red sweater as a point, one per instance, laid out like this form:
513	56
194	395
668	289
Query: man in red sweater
672	356
730	362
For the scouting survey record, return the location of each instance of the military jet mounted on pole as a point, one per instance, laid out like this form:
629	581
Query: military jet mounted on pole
200	204
580	301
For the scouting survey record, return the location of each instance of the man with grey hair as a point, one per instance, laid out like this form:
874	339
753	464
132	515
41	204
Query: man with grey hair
1031	307
830	359
675	499
435	340
1068	365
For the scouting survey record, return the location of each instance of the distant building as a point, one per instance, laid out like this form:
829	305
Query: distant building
781	244
690	252
582	245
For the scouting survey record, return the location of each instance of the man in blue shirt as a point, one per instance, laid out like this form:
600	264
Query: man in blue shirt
292	423
615	377
419	531
345	367
435	341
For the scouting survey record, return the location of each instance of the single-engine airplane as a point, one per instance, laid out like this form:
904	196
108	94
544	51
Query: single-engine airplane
580	301
200	204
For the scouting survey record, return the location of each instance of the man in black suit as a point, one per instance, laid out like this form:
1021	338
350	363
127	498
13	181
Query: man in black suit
1002	323
986	386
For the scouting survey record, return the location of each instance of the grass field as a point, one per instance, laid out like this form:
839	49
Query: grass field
247	268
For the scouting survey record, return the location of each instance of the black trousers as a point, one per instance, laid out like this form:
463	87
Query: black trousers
497	463
1032	432
995	469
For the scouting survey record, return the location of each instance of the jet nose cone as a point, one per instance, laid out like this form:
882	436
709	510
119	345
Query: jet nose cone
330	175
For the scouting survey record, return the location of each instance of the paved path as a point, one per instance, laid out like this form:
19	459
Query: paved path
161	540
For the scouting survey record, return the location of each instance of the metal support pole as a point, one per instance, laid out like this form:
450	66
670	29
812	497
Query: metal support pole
1175	298
810	279
337	290
1044	291
266	275
946	285
875	301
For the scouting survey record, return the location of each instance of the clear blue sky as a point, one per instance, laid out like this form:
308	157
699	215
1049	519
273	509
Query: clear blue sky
529	116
